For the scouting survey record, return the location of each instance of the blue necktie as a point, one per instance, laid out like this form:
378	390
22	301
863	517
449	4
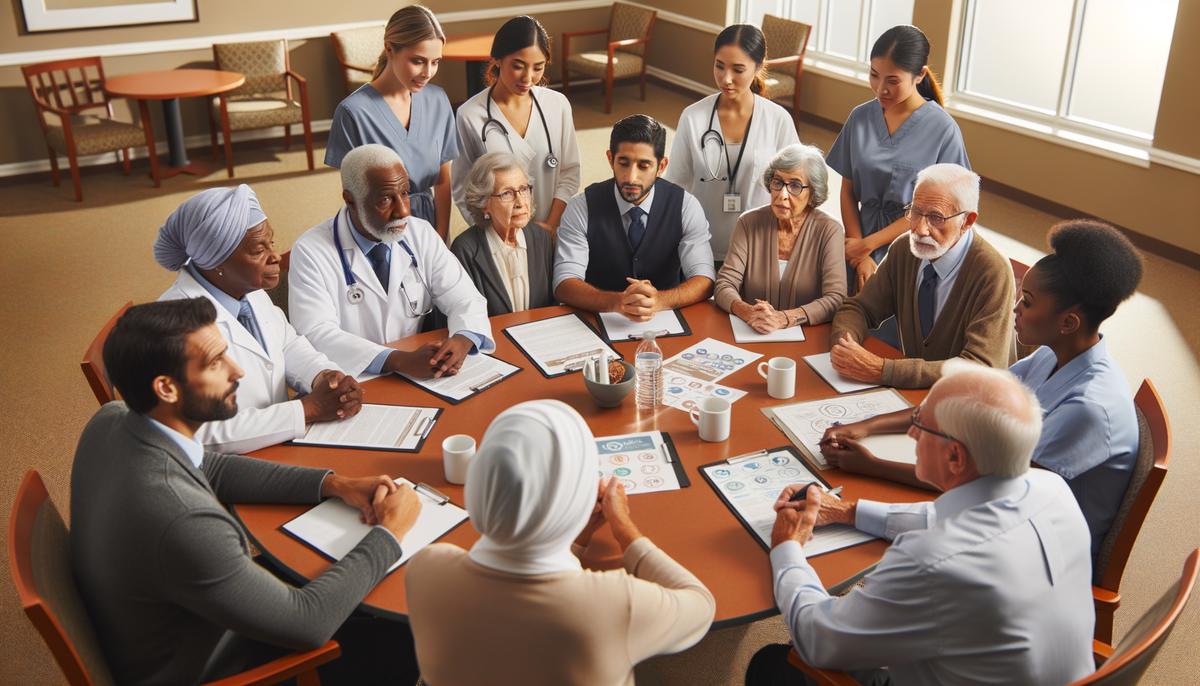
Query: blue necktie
246	319
926	299
637	226
380	257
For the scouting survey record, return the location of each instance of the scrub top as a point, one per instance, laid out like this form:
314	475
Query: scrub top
883	167
428	142
1089	429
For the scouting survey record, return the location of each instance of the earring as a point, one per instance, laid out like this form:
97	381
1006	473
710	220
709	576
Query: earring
486	215
220	272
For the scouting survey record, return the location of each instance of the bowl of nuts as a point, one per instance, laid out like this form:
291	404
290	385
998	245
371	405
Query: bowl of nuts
620	378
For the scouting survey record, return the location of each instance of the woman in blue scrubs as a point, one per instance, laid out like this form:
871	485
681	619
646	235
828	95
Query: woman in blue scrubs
885	142
399	108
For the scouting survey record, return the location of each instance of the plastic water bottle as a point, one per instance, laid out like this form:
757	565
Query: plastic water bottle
648	362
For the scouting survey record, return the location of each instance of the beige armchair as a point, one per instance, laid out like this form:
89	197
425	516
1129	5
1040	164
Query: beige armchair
264	100
789	40
357	50
629	30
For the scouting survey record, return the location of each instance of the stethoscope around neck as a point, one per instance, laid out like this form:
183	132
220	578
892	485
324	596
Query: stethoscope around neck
714	136
354	292
551	160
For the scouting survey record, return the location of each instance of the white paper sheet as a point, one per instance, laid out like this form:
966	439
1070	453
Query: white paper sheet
639	460
683	393
751	487
381	427
478	373
822	365
334	528
709	360
559	344
892	447
805	422
743	333
618	327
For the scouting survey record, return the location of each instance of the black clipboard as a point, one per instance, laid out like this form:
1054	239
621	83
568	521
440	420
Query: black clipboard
687	330
437	414
741	458
474	390
571	369
676	463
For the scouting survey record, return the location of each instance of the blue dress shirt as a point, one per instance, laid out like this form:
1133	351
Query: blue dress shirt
947	267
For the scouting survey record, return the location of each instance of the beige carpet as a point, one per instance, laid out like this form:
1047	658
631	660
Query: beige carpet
65	267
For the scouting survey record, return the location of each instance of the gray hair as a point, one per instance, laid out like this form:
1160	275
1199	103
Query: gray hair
356	163
810	161
993	414
481	182
961	183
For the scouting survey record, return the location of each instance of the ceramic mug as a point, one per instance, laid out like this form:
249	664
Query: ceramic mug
780	373
712	415
457	451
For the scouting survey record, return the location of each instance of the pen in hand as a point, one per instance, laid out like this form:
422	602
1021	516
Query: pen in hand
801	494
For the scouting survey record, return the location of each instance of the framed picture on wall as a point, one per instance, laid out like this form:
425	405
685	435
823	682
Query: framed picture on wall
65	15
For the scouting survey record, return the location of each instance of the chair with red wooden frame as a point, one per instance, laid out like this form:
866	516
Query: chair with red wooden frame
628	36
67	95
789	40
93	361
357	50
39	557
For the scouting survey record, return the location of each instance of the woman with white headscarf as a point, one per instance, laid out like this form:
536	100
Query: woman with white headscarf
221	244
518	607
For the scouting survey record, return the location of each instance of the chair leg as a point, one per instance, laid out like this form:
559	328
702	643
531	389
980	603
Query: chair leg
1104	626
308	143
287	137
75	174
53	165
227	135
126	167
608	89
148	128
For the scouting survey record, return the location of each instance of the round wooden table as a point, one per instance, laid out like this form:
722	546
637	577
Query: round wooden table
169	86
476	50
692	524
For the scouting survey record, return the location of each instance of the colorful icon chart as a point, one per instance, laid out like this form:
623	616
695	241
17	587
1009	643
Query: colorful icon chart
691	376
641	462
805	422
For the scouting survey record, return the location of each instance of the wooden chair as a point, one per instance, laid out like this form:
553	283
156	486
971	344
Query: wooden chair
1154	451
790	39
279	294
64	94
357	50
93	361
264	101
39	557
629	30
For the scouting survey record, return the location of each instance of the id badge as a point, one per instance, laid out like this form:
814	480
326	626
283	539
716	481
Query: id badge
732	202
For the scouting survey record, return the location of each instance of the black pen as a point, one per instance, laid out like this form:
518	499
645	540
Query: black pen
803	492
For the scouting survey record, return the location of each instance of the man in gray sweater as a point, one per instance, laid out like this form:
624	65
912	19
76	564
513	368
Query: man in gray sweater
164	569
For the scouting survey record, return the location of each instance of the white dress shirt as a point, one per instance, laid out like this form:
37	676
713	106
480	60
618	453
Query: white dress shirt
990	583
512	261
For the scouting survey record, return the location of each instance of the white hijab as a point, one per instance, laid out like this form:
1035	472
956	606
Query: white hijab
531	488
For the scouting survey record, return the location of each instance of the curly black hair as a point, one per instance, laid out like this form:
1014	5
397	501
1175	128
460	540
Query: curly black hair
1092	266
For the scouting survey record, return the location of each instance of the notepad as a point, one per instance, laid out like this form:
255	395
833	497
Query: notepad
823	366
559	345
477	374
375	427
744	333
333	528
617	327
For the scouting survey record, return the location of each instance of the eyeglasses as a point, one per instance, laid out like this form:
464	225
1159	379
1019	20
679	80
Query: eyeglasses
793	187
916	422
935	220
509	195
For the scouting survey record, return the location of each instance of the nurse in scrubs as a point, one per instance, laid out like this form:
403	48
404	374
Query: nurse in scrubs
885	142
517	115
724	142
399	108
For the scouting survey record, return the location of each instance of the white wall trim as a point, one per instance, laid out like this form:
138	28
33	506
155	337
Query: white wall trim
1174	160
681	19
673	78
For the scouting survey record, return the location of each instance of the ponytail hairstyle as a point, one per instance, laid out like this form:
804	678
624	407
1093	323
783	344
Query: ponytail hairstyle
750	40
408	26
515	35
908	48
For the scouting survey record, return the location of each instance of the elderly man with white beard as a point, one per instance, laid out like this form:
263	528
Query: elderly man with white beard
373	272
950	291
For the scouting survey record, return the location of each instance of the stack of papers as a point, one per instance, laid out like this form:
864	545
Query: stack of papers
743	333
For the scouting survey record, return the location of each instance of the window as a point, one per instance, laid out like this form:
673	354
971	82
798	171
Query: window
1095	66
843	30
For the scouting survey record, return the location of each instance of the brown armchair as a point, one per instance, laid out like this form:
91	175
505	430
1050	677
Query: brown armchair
93	361
357	50
789	40
264	100
629	30
65	93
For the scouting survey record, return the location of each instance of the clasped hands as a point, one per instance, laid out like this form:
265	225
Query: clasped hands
794	521
612	506
639	301
762	316
334	395
858	255
378	499
432	360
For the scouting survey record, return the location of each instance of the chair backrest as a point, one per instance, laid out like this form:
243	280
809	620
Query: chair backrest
93	361
630	21
73	85
39	557
785	37
1142	642
279	294
357	48
262	62
1149	470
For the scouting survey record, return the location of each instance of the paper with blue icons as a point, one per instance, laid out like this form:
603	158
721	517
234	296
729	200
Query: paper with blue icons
708	361
750	484
644	462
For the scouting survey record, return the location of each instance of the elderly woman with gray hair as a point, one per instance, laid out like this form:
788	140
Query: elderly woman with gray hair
508	257
785	264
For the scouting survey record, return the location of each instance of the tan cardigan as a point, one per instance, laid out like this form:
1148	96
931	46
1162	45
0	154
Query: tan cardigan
815	277
976	322
477	625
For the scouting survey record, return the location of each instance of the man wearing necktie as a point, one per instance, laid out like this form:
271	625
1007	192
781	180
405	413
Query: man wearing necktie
951	292
634	244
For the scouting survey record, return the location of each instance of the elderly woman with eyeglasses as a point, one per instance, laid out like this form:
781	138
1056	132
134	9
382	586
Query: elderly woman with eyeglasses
507	255
785	264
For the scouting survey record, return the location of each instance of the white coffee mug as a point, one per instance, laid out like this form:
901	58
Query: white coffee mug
780	373
457	451
711	415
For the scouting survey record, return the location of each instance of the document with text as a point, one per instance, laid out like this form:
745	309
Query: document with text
477	374
559	345
375	427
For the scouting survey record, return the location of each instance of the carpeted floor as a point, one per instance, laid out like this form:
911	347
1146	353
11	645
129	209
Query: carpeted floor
66	267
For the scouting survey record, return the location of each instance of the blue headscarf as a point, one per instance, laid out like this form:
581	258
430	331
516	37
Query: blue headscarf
207	227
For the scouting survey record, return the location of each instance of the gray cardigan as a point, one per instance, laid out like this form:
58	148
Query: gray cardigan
165	570
471	248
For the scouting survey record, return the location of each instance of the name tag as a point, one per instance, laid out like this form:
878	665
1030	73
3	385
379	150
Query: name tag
732	202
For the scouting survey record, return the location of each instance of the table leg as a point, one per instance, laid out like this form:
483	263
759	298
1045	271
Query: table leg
174	123
475	76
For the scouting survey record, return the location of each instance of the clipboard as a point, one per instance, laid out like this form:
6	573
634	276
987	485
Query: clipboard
423	430
814	459
475	390
676	463
687	330
570	368
626	457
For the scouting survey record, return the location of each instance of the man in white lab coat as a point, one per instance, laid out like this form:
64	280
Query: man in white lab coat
371	273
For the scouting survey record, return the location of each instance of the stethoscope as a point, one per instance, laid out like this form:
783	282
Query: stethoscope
551	160
354	292
713	135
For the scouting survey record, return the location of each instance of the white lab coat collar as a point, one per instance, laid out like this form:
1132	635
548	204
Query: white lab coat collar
235	333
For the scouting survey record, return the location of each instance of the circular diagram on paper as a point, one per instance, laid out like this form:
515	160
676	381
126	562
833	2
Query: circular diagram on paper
612	446
739	361
721	473
622	471
735	485
701	351
727	358
620	458
834	411
751	466
721	391
694	384
689	404
688	356
652	482
788	473
780	460
761	480
819	425
629	484
649	469
675	390
645	457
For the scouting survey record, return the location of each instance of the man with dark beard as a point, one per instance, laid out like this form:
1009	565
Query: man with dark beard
163	568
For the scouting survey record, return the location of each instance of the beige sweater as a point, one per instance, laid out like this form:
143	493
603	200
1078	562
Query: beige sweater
976	323
815	277
474	625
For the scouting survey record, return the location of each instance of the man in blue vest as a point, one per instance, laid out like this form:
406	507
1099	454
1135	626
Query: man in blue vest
636	243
